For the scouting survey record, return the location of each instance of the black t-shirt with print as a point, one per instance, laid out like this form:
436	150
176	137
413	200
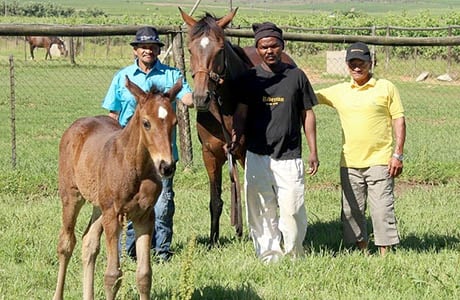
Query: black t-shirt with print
275	104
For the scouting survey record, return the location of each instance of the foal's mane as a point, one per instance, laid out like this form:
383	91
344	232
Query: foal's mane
206	25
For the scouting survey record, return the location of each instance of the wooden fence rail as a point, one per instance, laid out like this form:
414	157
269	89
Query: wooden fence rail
175	33
98	30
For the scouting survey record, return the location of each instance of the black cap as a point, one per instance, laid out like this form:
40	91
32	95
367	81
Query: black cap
267	29
146	35
358	50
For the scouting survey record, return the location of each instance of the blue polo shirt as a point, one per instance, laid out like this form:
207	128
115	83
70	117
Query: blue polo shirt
120	99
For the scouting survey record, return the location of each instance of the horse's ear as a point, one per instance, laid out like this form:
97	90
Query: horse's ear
187	19
137	92
172	93
224	21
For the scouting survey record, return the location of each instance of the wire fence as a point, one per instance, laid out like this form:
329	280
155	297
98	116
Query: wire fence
98	58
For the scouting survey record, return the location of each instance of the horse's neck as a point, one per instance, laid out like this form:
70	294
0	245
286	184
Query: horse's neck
129	142
55	40
235	65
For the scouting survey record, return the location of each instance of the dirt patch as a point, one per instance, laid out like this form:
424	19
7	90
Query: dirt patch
316	77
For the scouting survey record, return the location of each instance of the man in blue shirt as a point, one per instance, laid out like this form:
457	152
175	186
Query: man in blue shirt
146	71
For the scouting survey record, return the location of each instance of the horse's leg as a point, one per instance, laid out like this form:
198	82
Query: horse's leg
112	276
144	230
48	52
32	47
214	170
71	205
90	250
236	201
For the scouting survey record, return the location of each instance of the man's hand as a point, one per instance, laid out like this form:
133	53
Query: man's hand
395	167
313	165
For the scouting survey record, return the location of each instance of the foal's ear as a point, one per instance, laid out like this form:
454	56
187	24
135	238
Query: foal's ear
187	19
137	92
172	93
224	21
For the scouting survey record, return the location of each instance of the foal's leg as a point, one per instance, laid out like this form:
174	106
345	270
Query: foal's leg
71	205
144	230
112	276
90	250
143	218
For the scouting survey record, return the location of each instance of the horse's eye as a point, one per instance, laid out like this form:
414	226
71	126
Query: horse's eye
146	124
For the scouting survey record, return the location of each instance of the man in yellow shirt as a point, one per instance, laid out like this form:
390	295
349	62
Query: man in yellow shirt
371	114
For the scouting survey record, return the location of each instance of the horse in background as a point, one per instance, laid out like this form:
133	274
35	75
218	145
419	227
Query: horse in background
45	42
118	170
215	65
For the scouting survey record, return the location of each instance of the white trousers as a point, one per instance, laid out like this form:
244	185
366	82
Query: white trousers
271	184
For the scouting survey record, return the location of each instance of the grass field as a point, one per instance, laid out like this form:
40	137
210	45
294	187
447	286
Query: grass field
425	266
50	95
251	7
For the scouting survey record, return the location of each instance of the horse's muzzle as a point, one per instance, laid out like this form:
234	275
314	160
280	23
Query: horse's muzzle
202	102
167	169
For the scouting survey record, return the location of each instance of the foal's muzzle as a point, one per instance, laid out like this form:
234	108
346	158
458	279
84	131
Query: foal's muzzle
167	169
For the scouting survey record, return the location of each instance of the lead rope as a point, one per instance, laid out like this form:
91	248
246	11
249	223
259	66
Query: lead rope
236	218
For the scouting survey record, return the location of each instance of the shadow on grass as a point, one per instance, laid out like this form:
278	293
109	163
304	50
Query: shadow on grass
244	292
222	242
324	237
218	292
429	242
327	237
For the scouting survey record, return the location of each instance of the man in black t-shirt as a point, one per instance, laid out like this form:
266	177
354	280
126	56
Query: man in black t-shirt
275	105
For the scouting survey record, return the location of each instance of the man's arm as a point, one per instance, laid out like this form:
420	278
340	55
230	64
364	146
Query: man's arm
395	165
309	125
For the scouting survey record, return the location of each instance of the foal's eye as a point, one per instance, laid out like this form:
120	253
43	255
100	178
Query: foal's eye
146	124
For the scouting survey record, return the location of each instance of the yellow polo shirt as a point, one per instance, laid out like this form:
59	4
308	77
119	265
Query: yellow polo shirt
366	113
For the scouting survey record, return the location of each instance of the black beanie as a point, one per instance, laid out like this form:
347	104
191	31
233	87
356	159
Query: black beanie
267	29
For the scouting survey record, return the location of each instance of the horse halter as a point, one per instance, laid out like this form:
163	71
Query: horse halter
217	78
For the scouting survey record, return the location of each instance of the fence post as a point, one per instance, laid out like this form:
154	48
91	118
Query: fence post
373	56
183	118
72	51
449	51
13	113
107	47
387	51
331	31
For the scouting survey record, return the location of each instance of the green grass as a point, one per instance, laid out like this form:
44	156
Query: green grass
425	266
252	7
51	94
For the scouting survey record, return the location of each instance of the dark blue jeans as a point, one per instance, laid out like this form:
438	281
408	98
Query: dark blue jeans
163	231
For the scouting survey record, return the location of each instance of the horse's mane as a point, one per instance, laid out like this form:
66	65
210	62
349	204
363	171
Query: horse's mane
206	25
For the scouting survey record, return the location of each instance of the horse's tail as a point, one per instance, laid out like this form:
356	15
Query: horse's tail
236	214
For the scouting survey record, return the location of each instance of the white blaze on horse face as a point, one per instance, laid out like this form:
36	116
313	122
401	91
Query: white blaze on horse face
162	113
204	42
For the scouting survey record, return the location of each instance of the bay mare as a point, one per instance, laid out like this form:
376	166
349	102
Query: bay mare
45	42
216	64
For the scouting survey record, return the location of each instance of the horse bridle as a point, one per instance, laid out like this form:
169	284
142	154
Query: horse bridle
215	77
218	80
